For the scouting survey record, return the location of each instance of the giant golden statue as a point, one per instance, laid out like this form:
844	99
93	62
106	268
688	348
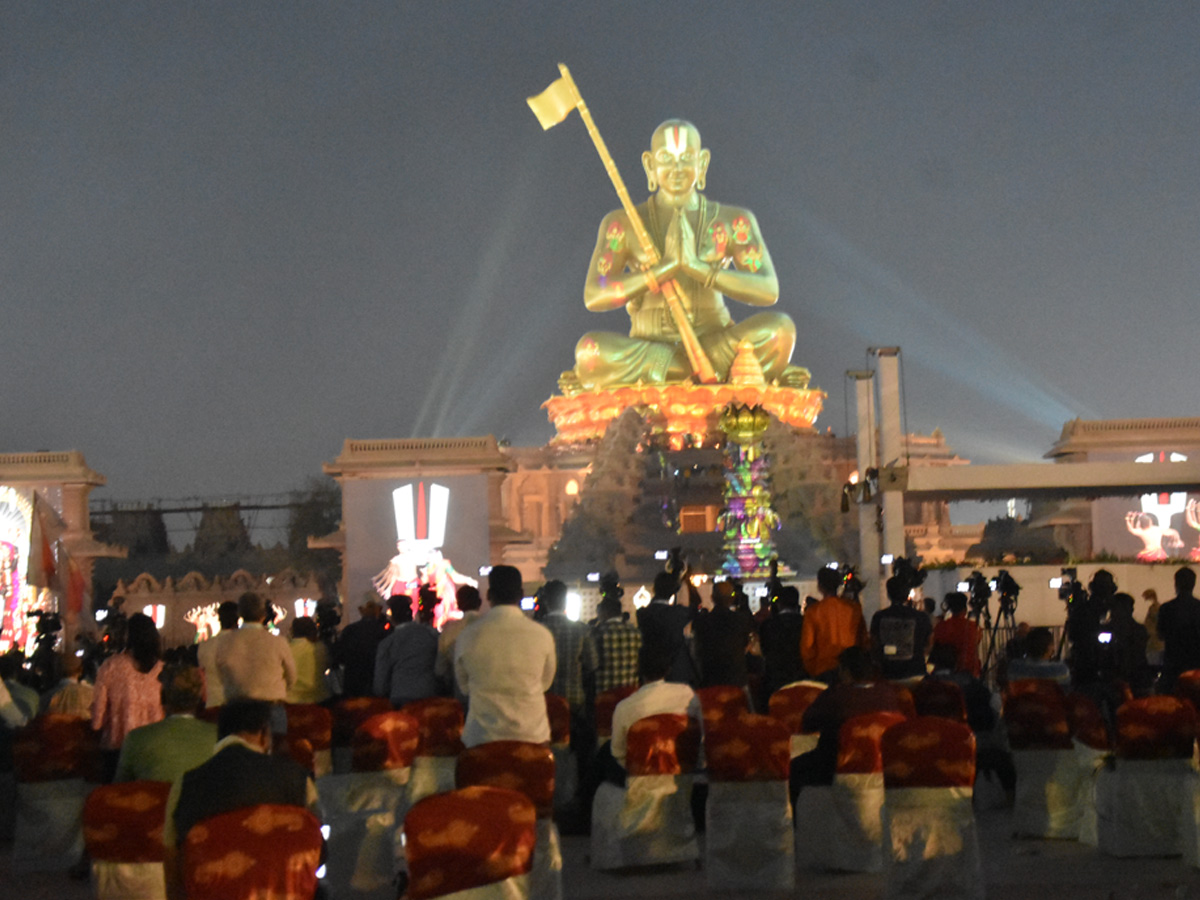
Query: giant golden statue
671	262
710	251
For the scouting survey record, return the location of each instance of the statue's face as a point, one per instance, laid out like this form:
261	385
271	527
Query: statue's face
676	160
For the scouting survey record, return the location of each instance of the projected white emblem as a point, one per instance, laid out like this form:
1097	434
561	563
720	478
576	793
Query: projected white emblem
420	533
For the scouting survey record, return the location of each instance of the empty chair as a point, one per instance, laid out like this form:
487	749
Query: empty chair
268	850
749	842
720	701
474	842
528	768
364	808
1145	800
56	762
348	713
788	705
938	697
839	826
1052	786
312	723
929	838
649	820
440	720
122	830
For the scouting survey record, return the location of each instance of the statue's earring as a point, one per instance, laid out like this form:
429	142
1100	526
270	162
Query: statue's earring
700	181
651	182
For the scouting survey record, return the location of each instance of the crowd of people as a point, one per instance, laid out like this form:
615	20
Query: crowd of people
501	662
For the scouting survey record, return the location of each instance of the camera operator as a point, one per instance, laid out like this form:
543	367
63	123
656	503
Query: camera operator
1179	628
1123	643
1085	613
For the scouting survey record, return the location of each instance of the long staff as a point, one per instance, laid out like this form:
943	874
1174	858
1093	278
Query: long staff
551	107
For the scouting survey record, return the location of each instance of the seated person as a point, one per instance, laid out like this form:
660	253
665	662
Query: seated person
655	696
72	696
241	772
856	692
1040	662
957	630
164	750
978	700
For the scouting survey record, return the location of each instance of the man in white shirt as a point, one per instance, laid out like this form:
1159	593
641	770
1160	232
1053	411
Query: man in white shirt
655	696
505	663
253	663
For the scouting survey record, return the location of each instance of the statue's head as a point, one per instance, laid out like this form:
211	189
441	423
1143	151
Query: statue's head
676	164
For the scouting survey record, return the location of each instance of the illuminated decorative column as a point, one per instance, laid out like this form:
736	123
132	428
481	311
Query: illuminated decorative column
748	518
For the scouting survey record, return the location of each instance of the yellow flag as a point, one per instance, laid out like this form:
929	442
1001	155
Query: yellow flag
553	104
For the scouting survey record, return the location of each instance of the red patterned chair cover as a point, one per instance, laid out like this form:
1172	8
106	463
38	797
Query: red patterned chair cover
55	757
300	750
470	839
350	712
1146	802
788	705
749	840
314	724
1187	686
123	833
528	768
721	701
566	766
606	703
1086	722
908	705
938	697
364	808
259	851
1042	687
387	740
649	821
839	826
1037	721
55	747
1156	728
558	711
930	844
440	722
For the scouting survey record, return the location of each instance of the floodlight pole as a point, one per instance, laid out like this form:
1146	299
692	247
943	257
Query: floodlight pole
891	446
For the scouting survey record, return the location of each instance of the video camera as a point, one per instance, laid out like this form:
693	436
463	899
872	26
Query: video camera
852	585
1009	591
979	592
911	576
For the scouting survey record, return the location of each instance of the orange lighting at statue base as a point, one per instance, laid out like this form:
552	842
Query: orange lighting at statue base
676	409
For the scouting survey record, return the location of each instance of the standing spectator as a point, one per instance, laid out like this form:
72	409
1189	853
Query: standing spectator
405	658
900	634
722	638
505	663
73	696
1123	658
830	626
617	643
227	618
1154	646
779	636
469	601
355	648
164	750
312	661
1179	629
255	664
957	630
663	623
574	648
127	688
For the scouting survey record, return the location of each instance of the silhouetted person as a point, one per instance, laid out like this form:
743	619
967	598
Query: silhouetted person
662	622
1179	628
779	636
900	634
355	649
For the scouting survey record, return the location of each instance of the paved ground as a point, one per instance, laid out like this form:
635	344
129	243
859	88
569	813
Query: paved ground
1014	870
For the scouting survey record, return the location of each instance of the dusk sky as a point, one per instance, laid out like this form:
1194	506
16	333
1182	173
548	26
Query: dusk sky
234	234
